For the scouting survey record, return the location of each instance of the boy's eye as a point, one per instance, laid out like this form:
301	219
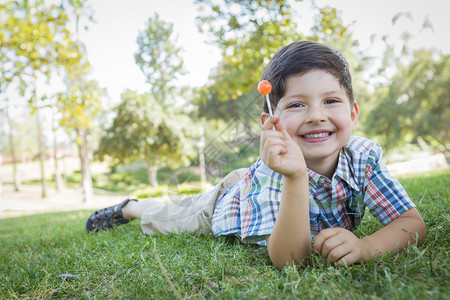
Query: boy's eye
294	105
330	101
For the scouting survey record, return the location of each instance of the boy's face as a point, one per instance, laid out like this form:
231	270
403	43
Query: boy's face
317	114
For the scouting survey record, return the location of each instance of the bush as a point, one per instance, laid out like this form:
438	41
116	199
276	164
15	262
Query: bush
151	192
75	177
122	178
188	189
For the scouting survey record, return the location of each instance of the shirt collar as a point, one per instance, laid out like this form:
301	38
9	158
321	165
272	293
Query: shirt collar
313	177
344	170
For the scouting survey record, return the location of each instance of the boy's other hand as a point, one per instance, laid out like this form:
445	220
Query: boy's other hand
340	246
278	151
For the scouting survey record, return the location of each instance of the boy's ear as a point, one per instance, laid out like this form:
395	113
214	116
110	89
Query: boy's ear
354	115
264	117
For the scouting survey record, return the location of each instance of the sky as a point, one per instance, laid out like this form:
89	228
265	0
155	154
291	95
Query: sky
111	39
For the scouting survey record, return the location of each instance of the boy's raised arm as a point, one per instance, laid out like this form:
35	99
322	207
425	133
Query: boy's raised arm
290	240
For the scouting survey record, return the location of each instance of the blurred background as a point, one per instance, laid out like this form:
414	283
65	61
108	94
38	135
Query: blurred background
104	99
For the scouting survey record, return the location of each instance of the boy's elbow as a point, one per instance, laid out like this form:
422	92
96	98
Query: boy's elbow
281	257
420	229
422	232
281	264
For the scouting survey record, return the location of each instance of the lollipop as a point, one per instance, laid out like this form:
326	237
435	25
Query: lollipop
264	88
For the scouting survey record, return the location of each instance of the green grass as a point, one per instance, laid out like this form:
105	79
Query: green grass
123	263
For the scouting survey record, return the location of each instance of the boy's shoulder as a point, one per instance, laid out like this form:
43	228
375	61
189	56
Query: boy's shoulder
360	151
362	146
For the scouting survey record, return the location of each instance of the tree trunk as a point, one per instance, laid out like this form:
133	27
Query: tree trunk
1	183
201	157
41	155
86	180
88	183
447	157
58	177
17	181
152	171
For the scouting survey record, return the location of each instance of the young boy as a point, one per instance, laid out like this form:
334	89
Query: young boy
313	180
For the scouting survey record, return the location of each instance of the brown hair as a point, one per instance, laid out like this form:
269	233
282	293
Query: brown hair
301	57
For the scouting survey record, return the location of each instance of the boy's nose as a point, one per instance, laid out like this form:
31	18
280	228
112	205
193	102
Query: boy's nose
316	115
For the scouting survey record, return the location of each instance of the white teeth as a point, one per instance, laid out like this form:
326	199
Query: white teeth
317	135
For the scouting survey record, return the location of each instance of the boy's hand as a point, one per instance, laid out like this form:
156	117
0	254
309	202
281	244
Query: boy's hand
278	151
341	246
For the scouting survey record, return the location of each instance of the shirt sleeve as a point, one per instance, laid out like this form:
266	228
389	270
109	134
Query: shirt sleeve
226	218
384	195
250	207
260	200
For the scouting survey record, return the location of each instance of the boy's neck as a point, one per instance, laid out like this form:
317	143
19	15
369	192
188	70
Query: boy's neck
325	167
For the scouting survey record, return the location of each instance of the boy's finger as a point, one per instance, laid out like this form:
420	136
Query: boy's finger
337	252
322	237
271	156
331	248
318	241
269	138
271	142
270	122
347	259
280	128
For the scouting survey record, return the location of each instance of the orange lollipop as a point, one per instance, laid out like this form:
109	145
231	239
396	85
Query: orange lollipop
264	88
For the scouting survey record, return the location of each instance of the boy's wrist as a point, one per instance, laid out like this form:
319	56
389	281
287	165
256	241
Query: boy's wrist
297	176
369	250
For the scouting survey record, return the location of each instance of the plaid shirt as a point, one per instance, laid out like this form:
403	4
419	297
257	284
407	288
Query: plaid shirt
249	208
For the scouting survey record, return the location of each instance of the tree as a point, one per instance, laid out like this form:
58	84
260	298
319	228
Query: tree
159	58
415	104
144	129
410	103
34	43
81	103
248	33
12	148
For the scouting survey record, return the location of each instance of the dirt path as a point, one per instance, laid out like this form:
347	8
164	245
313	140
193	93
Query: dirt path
29	201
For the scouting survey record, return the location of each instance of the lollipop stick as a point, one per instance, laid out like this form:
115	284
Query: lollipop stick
268	104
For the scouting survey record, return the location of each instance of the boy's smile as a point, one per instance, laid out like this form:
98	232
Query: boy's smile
317	114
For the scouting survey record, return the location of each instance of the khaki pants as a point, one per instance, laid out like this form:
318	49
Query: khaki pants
190	214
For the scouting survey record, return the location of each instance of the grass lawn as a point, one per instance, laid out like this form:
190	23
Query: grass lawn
36	251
